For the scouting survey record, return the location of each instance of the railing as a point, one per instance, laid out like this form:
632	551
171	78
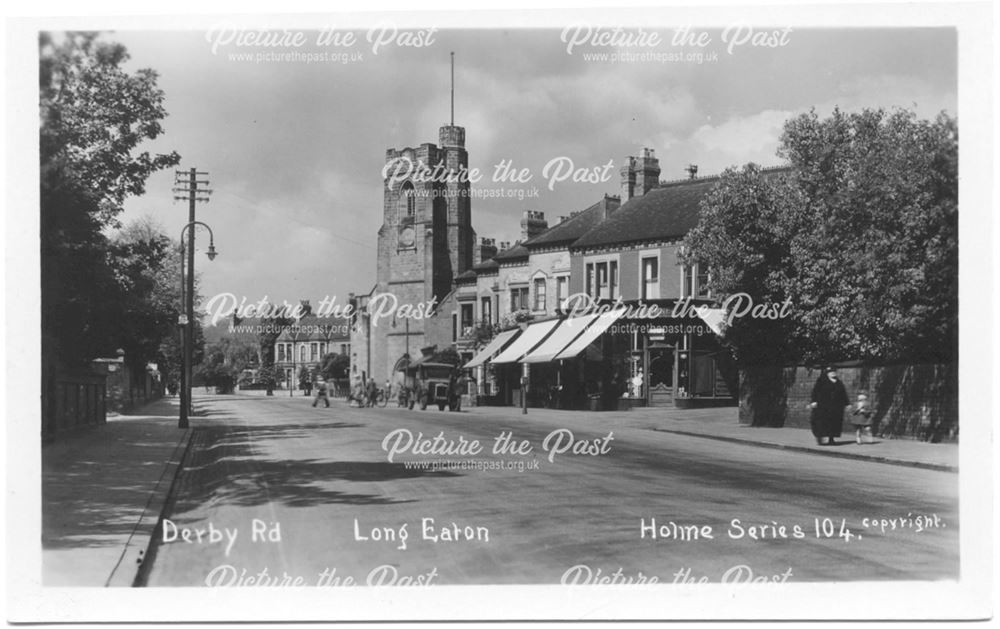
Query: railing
76	400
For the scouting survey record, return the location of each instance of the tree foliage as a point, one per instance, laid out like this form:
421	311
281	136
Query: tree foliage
224	361
335	366
94	116
744	235
447	355
878	264
860	234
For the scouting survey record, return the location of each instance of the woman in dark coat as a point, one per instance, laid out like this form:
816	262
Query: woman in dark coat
829	399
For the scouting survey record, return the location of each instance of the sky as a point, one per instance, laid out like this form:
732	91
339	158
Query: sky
295	150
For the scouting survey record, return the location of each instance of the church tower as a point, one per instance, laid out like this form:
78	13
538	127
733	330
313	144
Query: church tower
426	238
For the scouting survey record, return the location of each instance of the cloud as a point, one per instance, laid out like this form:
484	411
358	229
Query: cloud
295	151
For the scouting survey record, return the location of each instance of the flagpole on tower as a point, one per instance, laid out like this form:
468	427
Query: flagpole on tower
453	89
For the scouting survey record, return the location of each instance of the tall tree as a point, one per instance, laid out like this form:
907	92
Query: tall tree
877	269
860	237
94	116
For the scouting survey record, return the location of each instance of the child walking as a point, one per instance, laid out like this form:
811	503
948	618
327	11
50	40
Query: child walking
862	418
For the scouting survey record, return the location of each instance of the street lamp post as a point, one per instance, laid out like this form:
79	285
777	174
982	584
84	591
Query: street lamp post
187	319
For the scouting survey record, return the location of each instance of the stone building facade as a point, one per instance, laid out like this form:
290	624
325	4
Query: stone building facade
425	241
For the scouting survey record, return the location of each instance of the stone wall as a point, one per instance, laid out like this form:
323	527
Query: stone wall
909	401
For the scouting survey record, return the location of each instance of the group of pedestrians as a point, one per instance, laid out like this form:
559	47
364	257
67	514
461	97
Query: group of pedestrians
829	400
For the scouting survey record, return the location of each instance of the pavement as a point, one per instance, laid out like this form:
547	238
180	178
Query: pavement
103	489
96	530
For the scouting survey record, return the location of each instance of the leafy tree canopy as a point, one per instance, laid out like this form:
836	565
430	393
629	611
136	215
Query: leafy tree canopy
94	115
860	234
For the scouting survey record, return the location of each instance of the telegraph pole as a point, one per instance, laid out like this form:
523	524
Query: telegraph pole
196	191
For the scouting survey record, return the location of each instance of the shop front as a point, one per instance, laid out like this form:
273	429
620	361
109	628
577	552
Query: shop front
605	361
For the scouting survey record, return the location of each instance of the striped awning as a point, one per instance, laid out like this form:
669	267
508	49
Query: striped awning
597	328
494	346
532	336
568	330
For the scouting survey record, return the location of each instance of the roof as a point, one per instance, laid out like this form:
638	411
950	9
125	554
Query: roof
517	252
669	211
467	275
665	212
576	225
486	265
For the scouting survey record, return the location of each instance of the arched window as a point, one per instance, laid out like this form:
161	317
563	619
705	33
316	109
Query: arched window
408	200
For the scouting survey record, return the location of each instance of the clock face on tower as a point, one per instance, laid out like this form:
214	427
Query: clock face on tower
406	237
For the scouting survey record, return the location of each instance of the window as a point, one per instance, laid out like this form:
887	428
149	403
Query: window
539	295
313	352
281	352
408	200
696	281
322	350
650	278
486	310
343	349
454	327
518	299
562	291
468	318
701	279
613	286
602	279
302	353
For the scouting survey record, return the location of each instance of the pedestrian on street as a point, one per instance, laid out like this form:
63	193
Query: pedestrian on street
862	418
829	400
357	393
372	391
321	393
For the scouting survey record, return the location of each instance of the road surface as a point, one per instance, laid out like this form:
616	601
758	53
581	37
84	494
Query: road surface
276	492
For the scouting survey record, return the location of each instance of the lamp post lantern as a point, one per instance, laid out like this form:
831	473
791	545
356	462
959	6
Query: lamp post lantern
186	320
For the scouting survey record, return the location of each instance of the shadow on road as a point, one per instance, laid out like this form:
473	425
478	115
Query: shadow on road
224	466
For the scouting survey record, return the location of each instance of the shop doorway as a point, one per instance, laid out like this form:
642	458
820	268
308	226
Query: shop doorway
661	374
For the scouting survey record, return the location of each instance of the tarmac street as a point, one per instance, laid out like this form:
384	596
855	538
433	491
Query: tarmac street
276	492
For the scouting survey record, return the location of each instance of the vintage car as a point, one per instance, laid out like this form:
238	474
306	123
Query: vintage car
434	383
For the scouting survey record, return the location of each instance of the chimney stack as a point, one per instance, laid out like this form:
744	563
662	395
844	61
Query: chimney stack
609	205
640	175
532	224
486	250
